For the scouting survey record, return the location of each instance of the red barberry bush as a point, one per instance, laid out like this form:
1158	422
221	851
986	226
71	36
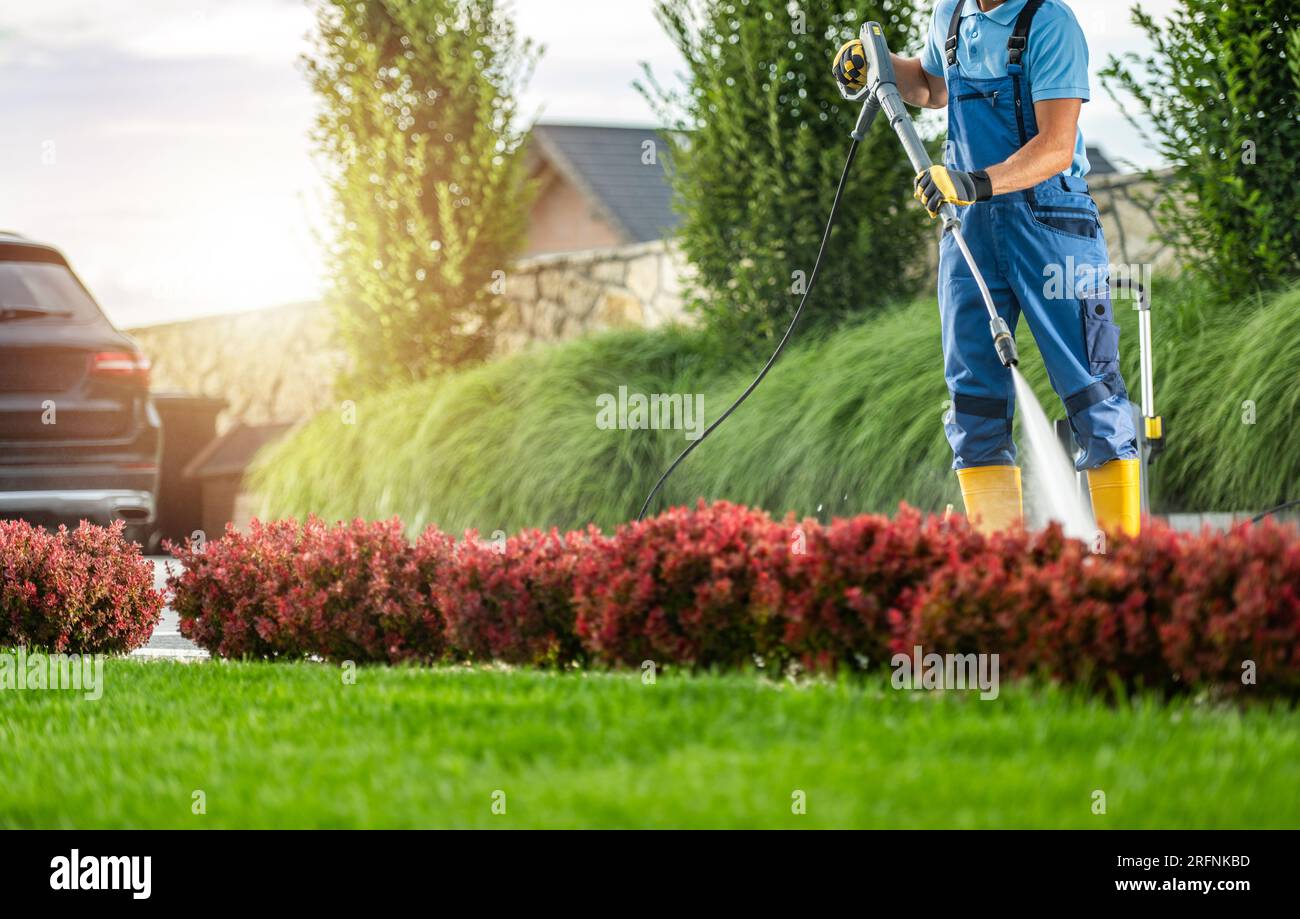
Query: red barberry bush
512	600
353	591
840	586
1046	605
678	588
1234	620
1163	610
721	585
225	590
84	591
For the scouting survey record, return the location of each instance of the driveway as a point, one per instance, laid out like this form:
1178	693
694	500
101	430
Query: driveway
166	641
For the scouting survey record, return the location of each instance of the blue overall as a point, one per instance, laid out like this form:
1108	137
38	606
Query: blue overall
1042	252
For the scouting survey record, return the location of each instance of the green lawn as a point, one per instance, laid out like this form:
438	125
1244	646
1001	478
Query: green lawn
291	745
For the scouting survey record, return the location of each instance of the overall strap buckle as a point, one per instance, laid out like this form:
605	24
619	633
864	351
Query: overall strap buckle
1016	46
1019	40
954	34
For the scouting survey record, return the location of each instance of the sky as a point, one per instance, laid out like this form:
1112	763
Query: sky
162	144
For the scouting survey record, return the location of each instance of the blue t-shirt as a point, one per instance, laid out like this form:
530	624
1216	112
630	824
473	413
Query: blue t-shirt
1056	62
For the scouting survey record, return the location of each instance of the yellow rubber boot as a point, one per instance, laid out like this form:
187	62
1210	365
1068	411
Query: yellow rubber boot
992	496
1117	495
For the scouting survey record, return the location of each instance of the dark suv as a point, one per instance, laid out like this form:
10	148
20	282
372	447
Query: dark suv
79	435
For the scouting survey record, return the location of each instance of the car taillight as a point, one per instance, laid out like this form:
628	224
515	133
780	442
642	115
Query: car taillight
123	366
139	467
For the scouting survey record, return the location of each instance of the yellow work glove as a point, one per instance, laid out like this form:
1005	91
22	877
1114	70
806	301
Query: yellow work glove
940	185
850	65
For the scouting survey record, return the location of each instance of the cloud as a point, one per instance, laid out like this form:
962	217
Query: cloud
153	29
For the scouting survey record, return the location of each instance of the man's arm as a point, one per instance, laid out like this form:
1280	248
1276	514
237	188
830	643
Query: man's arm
917	85
1050	152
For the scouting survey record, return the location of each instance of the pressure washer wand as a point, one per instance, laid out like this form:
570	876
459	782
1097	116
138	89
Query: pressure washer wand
884	89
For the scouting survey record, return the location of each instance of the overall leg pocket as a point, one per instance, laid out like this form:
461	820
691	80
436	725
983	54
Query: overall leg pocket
1100	335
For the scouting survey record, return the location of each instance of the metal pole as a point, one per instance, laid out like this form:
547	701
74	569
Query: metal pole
1145	353
885	89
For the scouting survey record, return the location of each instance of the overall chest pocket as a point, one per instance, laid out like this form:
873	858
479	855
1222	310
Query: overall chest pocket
991	97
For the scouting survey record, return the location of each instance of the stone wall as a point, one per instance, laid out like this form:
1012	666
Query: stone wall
275	364
567	295
1125	203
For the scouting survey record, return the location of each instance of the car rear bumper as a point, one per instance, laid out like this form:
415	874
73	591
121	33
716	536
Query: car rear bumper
136	507
78	477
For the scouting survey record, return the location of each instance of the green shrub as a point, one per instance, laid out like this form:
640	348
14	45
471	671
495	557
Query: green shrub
762	137
415	125
1221	93
1233	441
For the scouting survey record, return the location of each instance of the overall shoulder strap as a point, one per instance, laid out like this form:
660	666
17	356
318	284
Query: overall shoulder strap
1019	40
954	30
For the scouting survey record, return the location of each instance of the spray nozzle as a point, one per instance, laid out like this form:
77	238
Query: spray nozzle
1004	343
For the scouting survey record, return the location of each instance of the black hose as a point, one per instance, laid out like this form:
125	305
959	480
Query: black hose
1273	510
812	279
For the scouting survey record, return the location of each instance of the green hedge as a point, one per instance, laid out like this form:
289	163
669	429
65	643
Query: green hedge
848	422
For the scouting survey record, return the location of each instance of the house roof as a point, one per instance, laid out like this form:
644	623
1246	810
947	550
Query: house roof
233	451
605	163
1100	163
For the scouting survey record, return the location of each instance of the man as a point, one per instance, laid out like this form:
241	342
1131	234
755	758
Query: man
1014	76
